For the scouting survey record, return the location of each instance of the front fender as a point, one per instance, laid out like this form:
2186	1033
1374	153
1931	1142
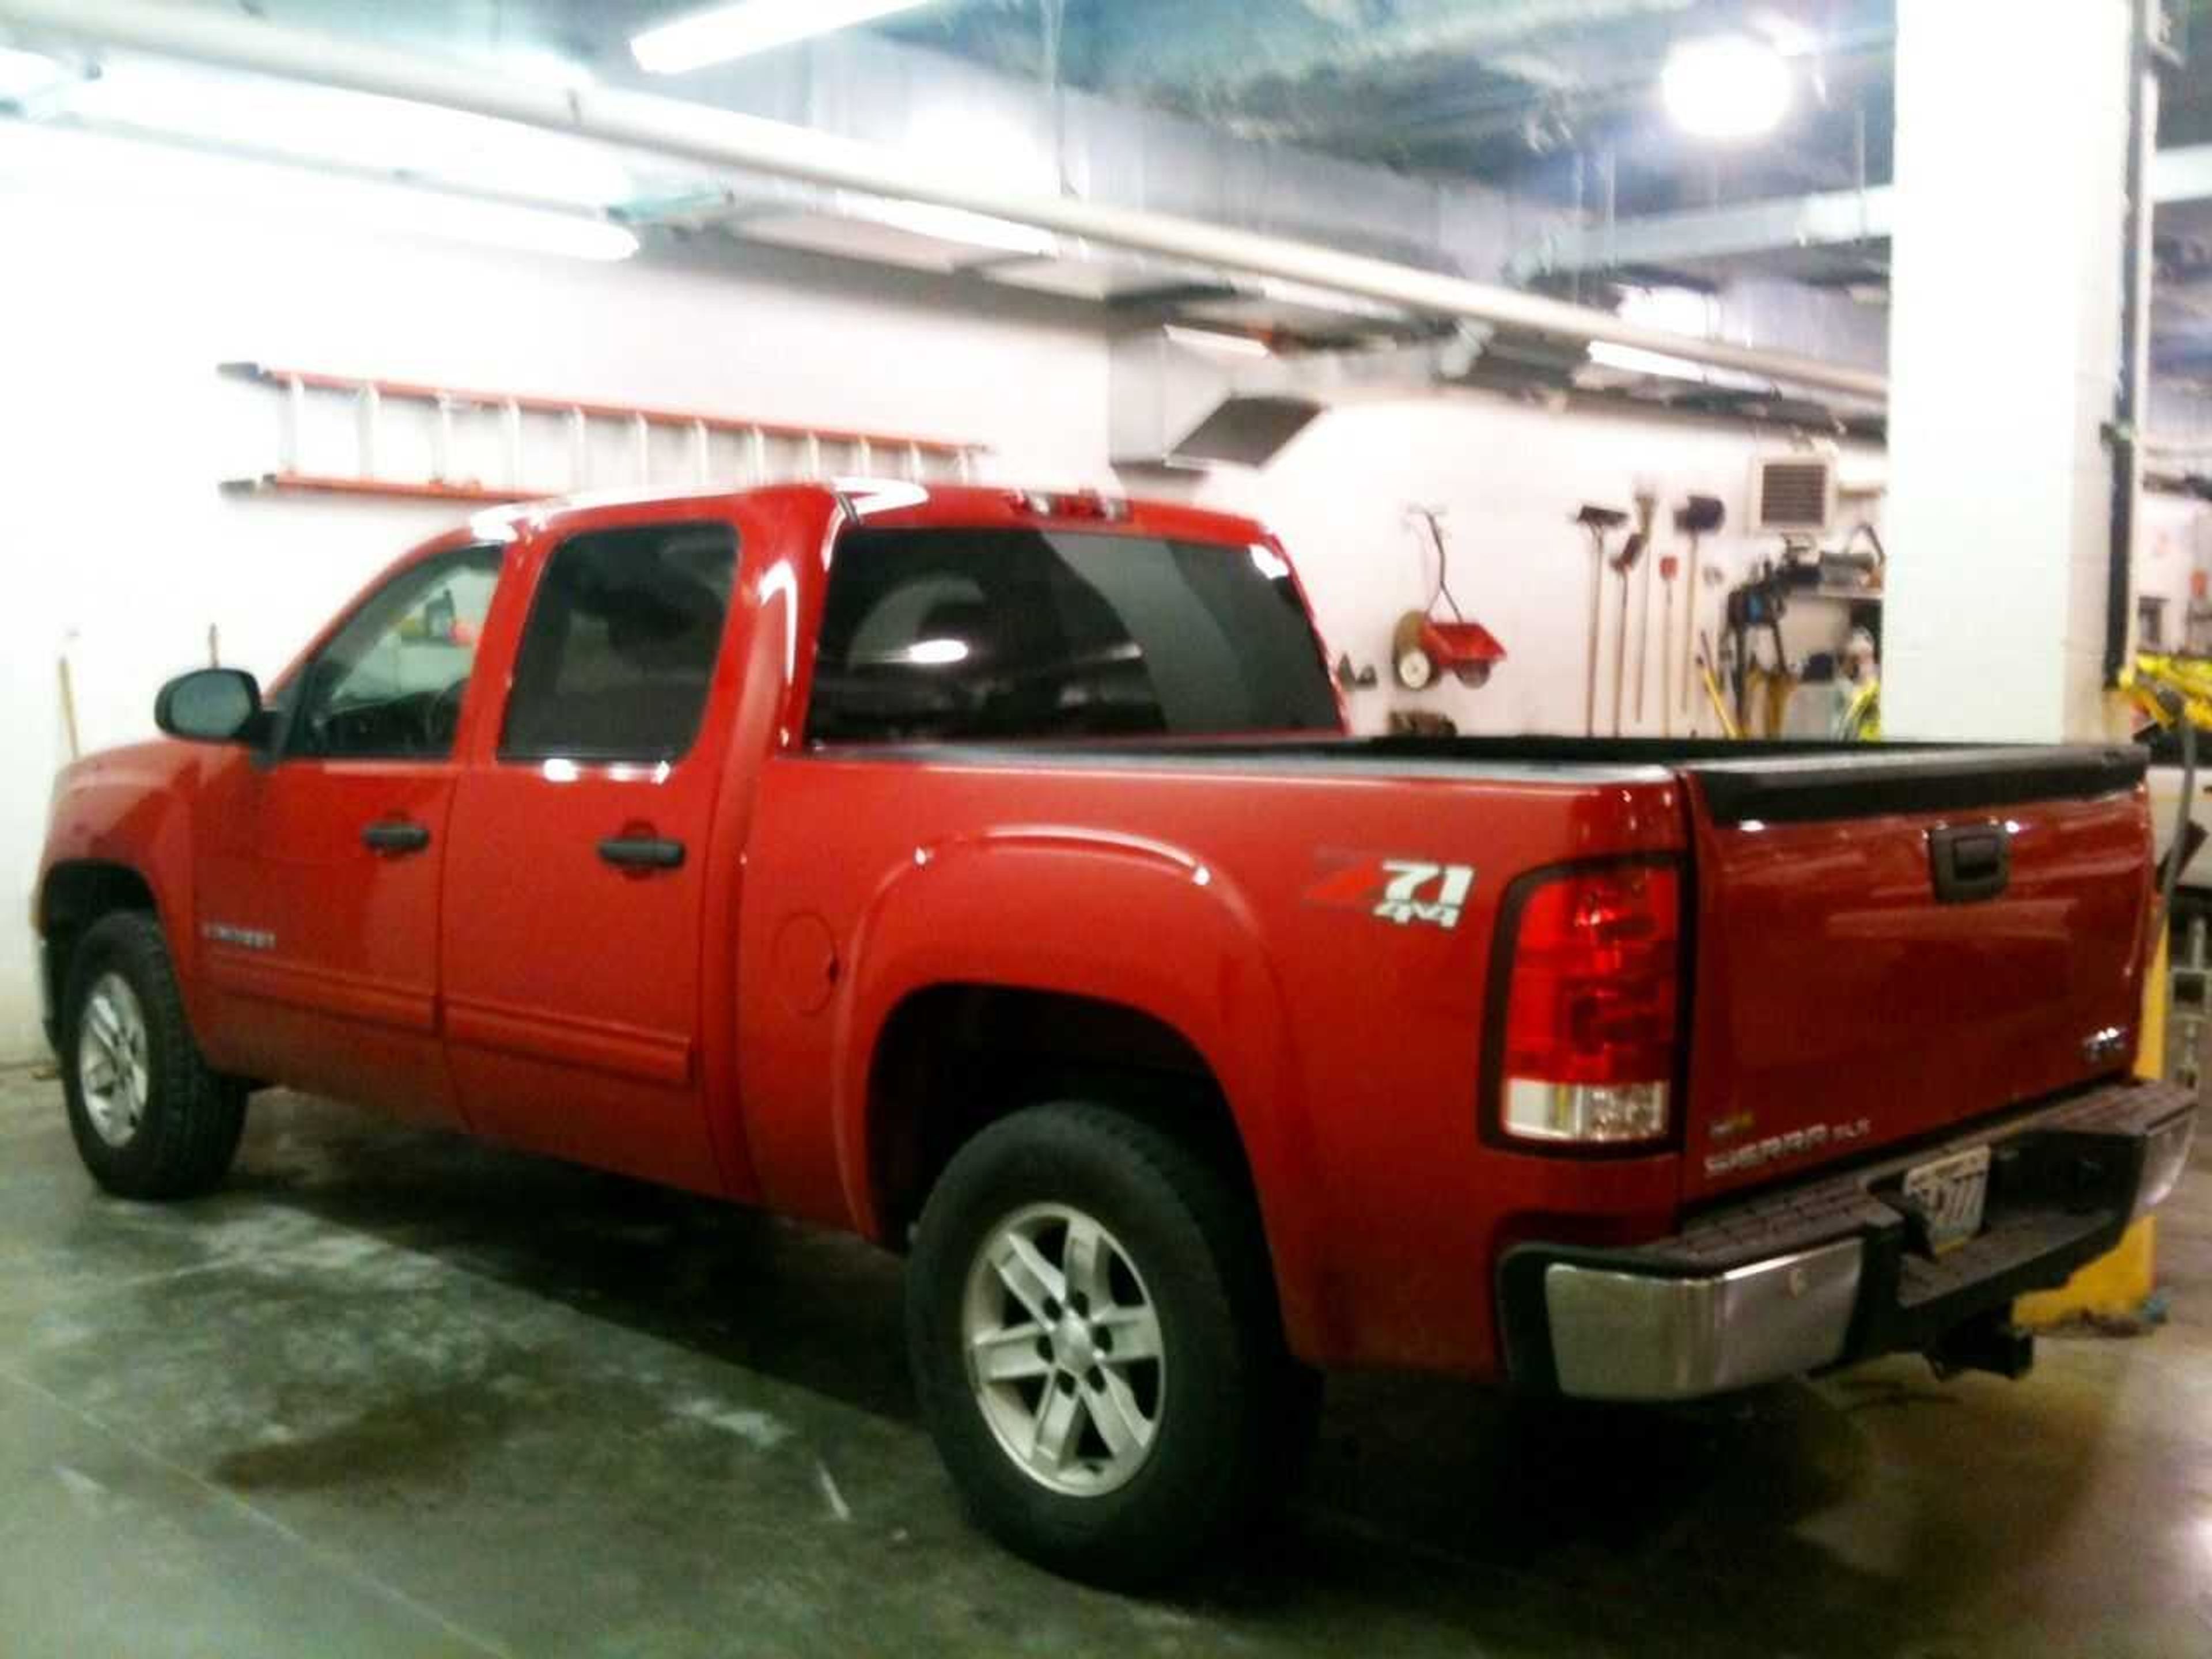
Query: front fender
130	808
1120	919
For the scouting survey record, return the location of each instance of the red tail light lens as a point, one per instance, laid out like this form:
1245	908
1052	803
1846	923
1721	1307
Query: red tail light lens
1588	1049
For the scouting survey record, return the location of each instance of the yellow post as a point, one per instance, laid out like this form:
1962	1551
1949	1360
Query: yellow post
2115	1286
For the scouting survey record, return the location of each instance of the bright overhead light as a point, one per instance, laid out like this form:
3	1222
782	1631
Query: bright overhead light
951	224
1218	341
1726	87
22	73
94	167
721	32
361	130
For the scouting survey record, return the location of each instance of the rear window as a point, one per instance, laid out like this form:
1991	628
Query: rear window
946	635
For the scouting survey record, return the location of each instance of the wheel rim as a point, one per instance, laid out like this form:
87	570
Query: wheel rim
110	1060
1064	1350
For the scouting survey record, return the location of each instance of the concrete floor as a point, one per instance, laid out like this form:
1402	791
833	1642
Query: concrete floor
391	1392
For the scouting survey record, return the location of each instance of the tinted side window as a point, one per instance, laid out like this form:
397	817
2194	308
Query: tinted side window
388	685
938	635
621	644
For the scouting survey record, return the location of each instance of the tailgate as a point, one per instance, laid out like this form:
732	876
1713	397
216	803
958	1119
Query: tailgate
1891	941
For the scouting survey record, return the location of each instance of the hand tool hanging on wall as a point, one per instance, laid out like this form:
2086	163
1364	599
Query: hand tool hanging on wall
1696	518
1757	606
1598	521
1647	514
1711	682
1421	648
69	707
1624	566
1669	567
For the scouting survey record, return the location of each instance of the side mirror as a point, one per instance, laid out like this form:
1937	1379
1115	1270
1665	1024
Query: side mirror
211	705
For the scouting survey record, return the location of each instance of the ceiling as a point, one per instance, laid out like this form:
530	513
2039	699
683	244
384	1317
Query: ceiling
1550	100
1524	94
1521	93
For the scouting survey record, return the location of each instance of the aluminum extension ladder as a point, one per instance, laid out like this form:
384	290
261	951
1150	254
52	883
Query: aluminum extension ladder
349	435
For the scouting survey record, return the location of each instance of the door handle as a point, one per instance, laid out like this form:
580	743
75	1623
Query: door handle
394	836
641	853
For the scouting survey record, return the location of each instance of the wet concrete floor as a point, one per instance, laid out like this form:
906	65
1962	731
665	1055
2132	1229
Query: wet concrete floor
390	1393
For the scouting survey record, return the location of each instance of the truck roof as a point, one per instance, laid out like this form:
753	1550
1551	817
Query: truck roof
900	503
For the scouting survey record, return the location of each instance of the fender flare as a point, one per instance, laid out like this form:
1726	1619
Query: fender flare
1081	912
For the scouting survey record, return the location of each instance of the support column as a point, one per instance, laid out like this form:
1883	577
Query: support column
2007	291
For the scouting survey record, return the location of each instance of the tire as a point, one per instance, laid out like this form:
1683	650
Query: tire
1223	1413
150	1118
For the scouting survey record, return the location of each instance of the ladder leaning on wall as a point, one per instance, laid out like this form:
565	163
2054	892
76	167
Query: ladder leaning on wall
341	434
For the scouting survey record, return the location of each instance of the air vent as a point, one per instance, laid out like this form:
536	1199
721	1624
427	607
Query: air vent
1793	495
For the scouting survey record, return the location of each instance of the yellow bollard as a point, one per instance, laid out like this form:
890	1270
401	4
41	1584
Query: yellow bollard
2114	1286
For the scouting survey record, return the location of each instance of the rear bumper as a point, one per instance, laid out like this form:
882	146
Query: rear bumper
1826	1274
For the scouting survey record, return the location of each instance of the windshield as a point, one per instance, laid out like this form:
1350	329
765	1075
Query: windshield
940	634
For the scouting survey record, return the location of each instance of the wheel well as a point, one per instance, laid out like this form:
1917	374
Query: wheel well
76	897
955	1058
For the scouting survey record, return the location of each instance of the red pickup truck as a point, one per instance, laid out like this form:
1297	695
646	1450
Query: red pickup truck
990	873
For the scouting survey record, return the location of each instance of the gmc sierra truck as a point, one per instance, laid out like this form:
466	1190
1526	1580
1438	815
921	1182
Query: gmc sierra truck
990	873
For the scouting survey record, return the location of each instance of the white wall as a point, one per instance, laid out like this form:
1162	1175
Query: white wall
1510	476
115	427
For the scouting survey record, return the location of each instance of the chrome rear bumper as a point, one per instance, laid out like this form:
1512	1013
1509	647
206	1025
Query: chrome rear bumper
1827	1274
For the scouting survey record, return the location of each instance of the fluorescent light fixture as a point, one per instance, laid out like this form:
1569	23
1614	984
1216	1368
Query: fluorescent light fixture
1726	87
949	224
1221	343
721	32
361	130
1634	361
289	200
23	73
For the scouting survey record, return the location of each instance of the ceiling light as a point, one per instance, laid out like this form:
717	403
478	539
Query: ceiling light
1726	87
1219	342
363	130
22	73
952	224
95	168
721	32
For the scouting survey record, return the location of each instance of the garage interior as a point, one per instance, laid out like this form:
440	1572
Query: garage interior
1452	295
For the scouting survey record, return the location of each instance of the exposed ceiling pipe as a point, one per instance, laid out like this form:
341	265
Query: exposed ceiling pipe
1774	224
727	138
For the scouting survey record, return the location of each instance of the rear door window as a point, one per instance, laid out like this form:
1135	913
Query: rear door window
620	648
946	634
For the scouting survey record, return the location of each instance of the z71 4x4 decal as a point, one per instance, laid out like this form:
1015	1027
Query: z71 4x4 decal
1402	890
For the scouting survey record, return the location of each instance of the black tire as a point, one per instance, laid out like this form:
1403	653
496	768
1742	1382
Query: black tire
188	1129
1235	1413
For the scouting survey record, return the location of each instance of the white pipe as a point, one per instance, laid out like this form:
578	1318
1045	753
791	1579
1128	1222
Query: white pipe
725	138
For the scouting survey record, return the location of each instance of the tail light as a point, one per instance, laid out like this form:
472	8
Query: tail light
1586	1052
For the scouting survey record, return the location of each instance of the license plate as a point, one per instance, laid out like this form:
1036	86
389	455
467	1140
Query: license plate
1950	1192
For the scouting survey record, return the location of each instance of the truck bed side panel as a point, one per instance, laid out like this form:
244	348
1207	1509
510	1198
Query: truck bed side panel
1237	903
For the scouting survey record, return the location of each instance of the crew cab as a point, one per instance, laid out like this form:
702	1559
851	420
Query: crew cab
990	873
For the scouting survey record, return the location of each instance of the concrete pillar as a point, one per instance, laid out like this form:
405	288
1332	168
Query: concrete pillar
2005	331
